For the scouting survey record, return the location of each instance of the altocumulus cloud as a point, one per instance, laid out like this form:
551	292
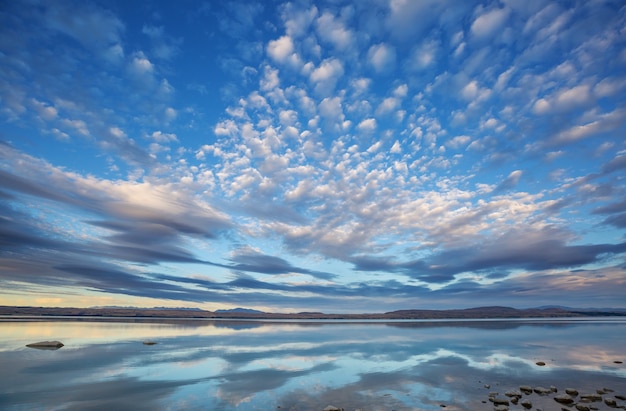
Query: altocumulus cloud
388	154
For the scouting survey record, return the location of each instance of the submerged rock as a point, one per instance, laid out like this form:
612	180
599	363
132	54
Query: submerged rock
513	393
590	398
526	389
526	404
540	363
572	391
500	401
542	390
149	342
581	407
332	408
46	345
564	399
611	402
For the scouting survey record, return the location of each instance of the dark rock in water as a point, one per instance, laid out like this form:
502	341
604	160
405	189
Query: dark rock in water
46	345
542	390
581	407
611	402
601	391
540	363
332	408
571	391
618	362
526	389
500	401
590	398
501	407
149	342
514	400
513	393
620	397
553	388
526	404
564	399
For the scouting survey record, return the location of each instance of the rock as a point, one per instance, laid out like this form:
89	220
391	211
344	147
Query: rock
500	401
542	390
514	400
526	404
553	388
331	408
618	362
620	397
601	391
590	398
513	393
487	386
46	345
501	407
564	399
526	389
581	407
571	391
611	402
540	363
149	342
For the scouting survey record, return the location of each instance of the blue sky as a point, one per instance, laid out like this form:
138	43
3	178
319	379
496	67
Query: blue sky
329	156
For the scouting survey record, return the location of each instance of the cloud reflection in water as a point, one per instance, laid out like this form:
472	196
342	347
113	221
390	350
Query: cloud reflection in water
255	365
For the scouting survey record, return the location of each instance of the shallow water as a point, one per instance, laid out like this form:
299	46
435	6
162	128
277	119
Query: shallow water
251	365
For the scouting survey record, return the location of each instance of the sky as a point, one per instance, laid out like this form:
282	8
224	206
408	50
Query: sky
326	156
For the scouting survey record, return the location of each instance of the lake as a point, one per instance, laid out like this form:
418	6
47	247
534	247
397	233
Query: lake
255	365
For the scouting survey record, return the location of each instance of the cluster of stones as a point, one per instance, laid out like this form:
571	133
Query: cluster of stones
570	398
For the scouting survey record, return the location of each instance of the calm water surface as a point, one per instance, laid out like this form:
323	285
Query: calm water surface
225	365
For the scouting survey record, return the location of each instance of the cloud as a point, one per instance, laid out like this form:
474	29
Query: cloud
382	57
511	181
333	31
325	76
489	22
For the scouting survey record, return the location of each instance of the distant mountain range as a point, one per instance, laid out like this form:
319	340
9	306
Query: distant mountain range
240	313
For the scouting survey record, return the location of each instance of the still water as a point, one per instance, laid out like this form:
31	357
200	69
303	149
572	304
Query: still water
250	365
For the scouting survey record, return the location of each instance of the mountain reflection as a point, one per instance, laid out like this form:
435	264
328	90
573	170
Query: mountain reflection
257	365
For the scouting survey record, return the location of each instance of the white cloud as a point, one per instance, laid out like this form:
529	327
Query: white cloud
282	51
382	57
424	55
458	142
367	125
334	31
161	137
387	105
327	74
489	22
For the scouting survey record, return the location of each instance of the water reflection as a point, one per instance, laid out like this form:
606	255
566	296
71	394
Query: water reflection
240	365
